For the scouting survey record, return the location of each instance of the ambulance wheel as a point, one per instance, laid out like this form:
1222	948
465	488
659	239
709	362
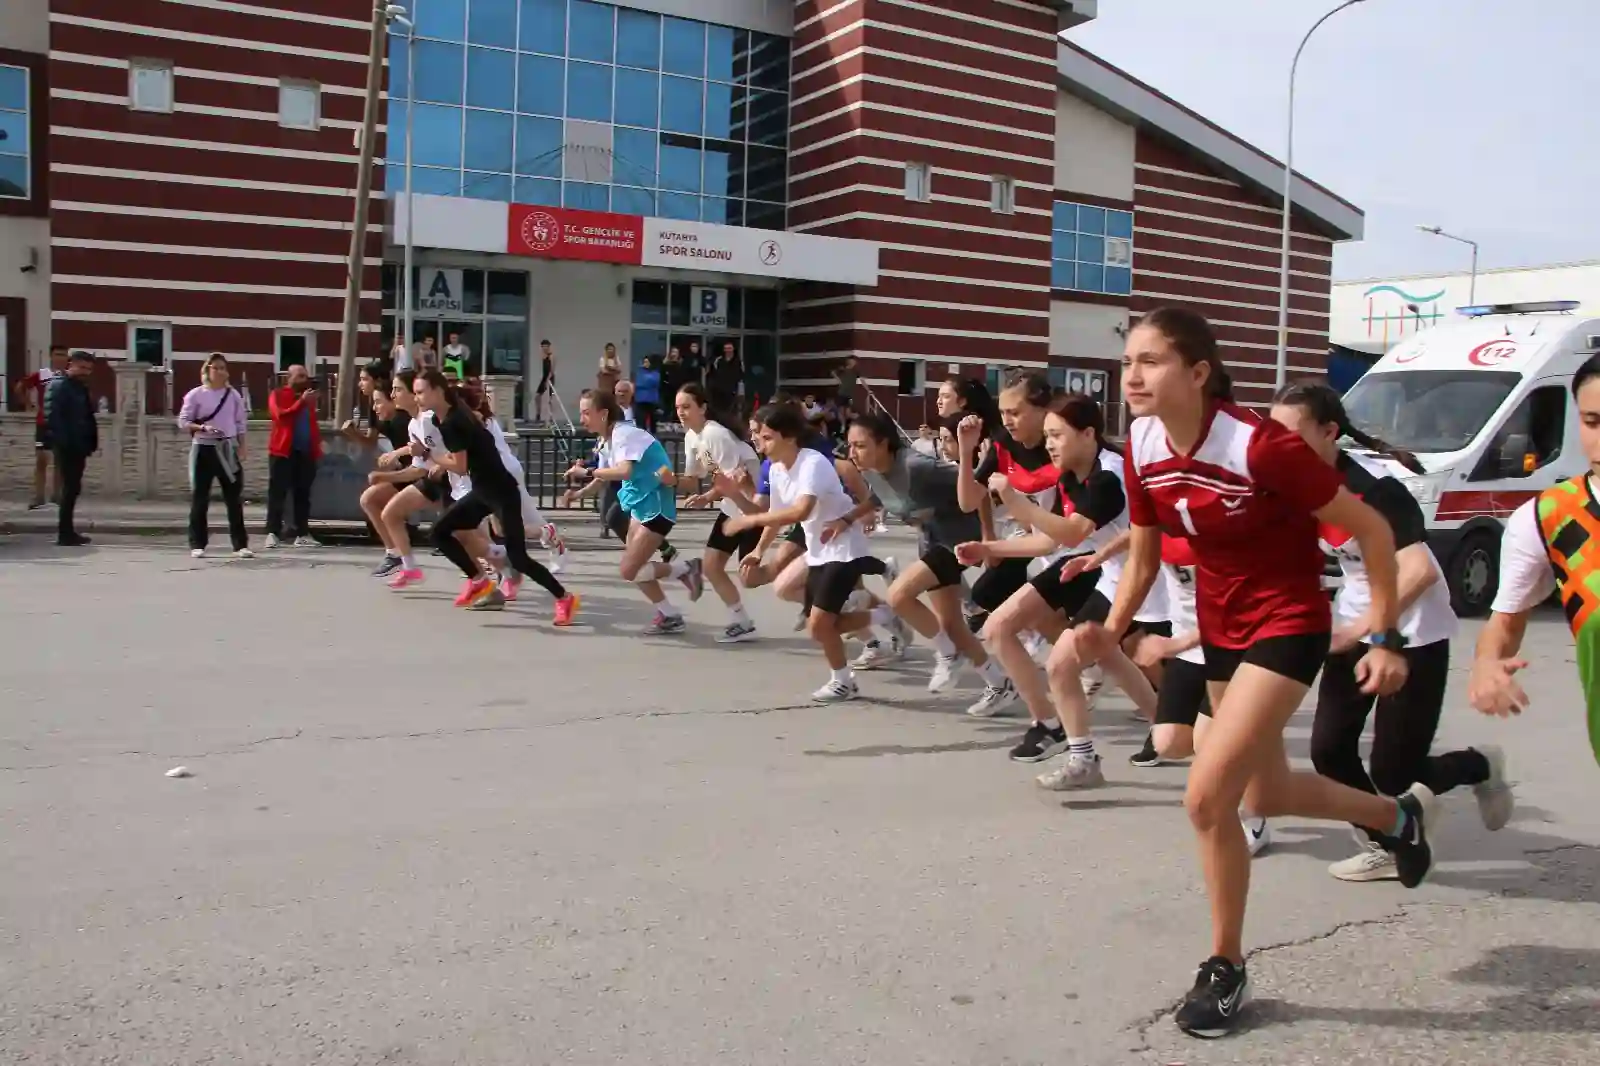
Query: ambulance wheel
1474	574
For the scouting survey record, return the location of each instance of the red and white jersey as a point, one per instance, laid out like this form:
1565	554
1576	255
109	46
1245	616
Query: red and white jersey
1244	499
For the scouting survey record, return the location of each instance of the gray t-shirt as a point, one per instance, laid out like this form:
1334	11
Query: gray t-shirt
922	490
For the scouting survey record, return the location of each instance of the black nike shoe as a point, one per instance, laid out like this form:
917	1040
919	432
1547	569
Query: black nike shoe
1212	1007
1147	755
1413	855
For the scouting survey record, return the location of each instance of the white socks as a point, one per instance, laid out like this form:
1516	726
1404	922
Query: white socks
992	674
943	645
677	568
882	614
408	562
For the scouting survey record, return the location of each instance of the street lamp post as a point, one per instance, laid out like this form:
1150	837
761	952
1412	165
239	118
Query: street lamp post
1288	200
395	13
1472	283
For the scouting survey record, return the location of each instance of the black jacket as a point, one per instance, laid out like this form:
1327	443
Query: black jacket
69	416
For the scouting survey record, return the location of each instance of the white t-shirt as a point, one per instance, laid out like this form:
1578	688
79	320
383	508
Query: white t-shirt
1526	579
713	448
402	358
424	429
812	474
457	351
1179	584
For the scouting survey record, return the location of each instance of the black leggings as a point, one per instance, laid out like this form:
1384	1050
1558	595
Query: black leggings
208	468
469	513
1402	734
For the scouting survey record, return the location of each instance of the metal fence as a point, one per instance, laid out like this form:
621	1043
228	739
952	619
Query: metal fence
548	453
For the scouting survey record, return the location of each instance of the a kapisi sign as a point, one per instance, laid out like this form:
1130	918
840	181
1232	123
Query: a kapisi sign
439	291
708	308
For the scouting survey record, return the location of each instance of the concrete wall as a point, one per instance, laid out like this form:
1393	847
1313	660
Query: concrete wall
25	25
1094	151
1086	331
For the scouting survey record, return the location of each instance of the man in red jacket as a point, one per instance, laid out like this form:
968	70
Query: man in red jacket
292	453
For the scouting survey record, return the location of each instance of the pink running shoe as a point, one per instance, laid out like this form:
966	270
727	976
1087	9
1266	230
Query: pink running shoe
566	609
403	578
474	590
510	585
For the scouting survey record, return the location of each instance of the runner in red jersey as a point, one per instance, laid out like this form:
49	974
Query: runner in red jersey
1248	494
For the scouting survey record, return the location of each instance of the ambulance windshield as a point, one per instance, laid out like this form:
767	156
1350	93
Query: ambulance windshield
1428	410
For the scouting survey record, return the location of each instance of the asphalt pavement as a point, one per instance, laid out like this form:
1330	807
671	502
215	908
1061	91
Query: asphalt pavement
415	835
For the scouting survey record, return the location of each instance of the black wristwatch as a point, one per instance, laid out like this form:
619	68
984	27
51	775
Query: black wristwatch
1389	640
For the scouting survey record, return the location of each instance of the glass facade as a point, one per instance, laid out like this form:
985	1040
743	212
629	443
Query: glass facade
580	104
493	321
14	165
1091	249
661	321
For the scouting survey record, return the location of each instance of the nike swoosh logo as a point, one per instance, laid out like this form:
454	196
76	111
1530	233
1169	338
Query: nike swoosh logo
1226	1005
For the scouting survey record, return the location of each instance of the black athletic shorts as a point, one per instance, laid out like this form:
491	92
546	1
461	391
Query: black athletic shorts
1299	657
737	545
999	582
619	521
1182	697
943	564
795	535
433	490
1096	608
829	585
1154	629
1071	598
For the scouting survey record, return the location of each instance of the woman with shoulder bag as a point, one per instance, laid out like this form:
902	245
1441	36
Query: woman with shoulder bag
213	415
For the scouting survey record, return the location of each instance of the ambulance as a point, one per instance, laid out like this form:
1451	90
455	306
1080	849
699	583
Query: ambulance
1484	401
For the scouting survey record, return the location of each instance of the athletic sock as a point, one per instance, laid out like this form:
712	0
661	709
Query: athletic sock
1083	747
497	551
666	607
843	675
992	674
677	568
387	554
1401	821
409	562
882	614
943	645
739	615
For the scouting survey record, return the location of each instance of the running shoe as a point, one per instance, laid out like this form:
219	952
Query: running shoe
404	577
306	542
390	564
566	609
1371	863
550	538
694	579
1495	799
197	553
1413	855
891	570
737	633
273	541
1211	1008
901	636
494	601
1257	834
472	590
975	621
836	692
510	585
877	653
1146	756
1039	743
244	553
801	622
1038	648
665	624
995	700
1073	773
946	671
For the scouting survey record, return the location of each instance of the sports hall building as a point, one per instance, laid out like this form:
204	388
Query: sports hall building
933	188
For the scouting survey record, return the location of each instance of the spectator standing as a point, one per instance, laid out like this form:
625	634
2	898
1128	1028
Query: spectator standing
213	414
400	356
605	379
293	449
673	376
724	378
694	366
74	436
547	382
457	358
647	394
847	377
31	389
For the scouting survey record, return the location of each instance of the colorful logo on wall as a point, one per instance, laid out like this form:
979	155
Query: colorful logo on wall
1393	313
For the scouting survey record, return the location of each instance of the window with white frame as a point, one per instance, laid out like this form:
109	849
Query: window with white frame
1091	249
150	85
299	105
1003	195
919	182
15	170
149	343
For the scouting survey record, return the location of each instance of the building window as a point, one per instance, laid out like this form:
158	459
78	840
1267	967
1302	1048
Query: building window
14	163
150	85
1091	249
1003	195
669	92
149	342
299	105
919	182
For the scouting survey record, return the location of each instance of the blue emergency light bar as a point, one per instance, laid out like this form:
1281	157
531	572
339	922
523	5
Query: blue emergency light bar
1534	308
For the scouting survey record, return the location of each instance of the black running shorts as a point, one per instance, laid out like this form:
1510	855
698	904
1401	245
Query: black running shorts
1298	656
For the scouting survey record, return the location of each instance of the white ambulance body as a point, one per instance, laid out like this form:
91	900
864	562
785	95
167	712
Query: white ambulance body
1484	401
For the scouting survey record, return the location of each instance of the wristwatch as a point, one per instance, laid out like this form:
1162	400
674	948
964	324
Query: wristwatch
1389	640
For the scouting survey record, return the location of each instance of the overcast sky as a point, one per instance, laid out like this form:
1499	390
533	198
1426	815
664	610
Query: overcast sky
1476	115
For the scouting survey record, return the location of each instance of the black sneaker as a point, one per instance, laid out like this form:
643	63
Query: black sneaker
975	621
1039	743
1413	856
1147	756
1212	1007
390	564
72	540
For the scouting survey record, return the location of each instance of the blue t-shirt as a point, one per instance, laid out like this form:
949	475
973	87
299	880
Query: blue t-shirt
816	444
647	386
302	431
643	495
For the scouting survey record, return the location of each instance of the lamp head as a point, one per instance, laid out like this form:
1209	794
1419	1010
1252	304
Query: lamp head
1435	230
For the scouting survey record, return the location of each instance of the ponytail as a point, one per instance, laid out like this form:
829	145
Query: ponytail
1082	412
1324	405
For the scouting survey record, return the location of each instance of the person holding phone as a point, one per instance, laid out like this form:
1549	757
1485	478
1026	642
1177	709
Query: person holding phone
213	415
293	449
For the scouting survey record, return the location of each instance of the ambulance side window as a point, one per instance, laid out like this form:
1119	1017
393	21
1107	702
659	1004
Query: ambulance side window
1530	439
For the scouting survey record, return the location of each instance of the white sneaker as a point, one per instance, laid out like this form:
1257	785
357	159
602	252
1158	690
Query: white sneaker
1037	647
945	671
197	553
737	633
877	653
901	636
273	541
1073	773
801	622
1495	799
996	699
244	553
891	570
1371	863
1257	834
305	542
835	692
